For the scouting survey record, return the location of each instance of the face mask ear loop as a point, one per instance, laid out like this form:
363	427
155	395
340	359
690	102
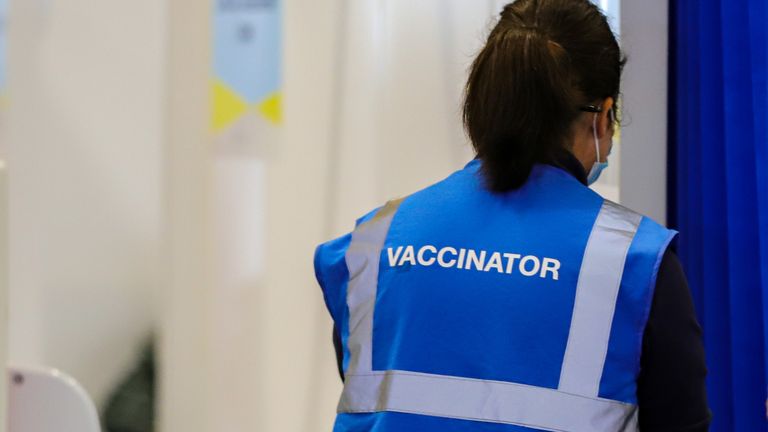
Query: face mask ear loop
597	142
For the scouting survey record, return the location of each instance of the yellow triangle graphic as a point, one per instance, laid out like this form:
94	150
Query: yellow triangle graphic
271	108
228	106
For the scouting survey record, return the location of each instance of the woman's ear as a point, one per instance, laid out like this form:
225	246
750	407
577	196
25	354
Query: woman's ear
605	118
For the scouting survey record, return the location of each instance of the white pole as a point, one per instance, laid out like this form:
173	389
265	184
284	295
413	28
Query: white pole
185	373
3	294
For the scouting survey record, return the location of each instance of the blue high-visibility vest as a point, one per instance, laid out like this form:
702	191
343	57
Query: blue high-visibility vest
465	310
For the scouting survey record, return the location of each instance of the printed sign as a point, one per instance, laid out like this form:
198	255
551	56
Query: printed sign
247	61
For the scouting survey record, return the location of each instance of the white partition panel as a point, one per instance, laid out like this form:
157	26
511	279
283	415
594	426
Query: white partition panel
644	26
3	294
184	367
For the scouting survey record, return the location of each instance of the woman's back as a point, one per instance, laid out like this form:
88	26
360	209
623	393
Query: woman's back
462	303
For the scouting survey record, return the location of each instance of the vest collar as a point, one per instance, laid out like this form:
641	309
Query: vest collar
566	162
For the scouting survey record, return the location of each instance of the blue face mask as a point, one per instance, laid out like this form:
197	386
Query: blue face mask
598	167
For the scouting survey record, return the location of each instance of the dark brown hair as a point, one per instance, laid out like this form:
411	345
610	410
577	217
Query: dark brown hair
543	61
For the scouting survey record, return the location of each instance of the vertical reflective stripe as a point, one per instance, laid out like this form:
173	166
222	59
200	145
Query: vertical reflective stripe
362	258
596	292
483	400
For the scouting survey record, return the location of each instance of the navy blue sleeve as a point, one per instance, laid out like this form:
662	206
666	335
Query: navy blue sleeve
671	388
339	351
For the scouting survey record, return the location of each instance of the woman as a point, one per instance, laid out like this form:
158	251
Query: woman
509	296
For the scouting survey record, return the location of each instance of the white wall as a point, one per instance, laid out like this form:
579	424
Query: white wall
643	184
3	294
84	148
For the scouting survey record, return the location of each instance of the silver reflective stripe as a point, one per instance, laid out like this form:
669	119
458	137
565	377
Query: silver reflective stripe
597	289
362	258
487	401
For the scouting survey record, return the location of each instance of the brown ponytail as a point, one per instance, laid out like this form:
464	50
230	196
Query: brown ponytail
542	61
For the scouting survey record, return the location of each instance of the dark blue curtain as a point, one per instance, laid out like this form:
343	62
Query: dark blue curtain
718	170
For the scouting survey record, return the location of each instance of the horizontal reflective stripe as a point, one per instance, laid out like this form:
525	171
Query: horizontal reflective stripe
597	290
487	401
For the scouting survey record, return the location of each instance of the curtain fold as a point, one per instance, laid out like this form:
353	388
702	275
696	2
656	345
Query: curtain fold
718	168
